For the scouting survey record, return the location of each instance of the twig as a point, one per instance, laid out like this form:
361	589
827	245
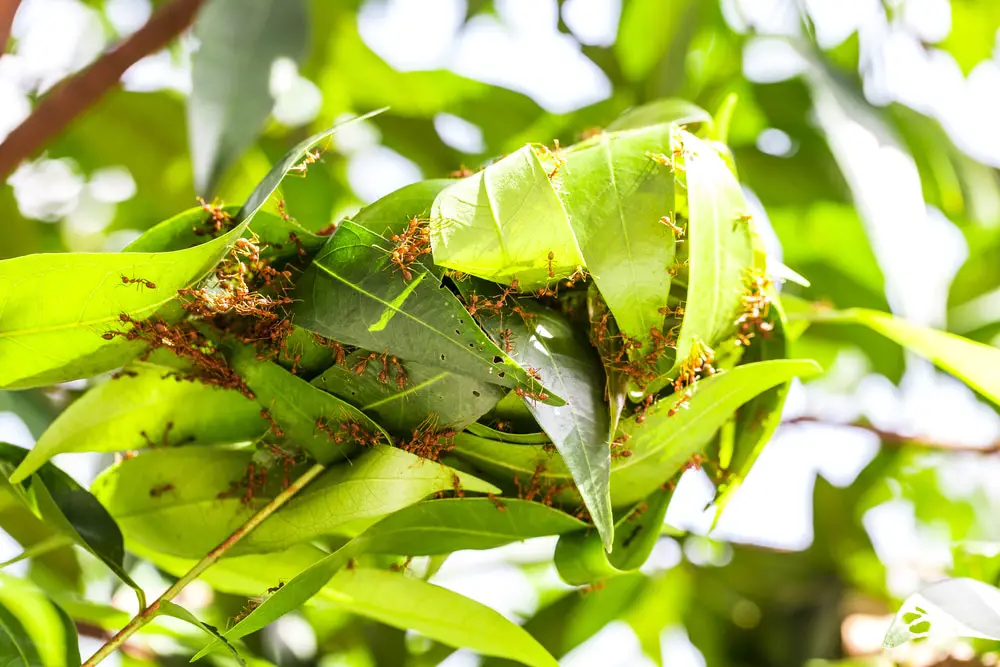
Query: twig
7	10
147	614
74	95
900	439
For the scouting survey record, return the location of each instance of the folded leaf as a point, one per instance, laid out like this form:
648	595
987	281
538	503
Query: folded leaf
615	196
168	608
505	222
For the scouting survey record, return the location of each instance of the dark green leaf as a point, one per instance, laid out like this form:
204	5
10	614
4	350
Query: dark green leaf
456	400
130	412
74	511
168	608
230	73
349	294
547	342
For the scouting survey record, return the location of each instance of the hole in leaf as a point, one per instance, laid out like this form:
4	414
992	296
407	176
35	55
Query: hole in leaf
497	359
502	375
458	331
476	393
472	345
442	357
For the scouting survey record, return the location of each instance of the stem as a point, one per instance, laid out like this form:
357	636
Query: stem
7	10
147	614
74	95
900	439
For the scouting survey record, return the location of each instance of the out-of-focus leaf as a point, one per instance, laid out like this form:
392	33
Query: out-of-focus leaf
133	411
297	408
59	566
230	73
54	340
434	612
456	400
35	623
645	34
169	499
505	222
581	559
976	364
615	196
950	608
345	295
548	343
63	503
168	608
972	37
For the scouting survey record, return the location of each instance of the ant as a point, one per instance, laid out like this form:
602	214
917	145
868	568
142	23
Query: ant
139	282
534	372
160	489
311	157
506	336
551	256
461	172
671	222
746	218
533	396
283	213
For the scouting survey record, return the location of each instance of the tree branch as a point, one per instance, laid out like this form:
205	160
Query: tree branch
150	612
7	10
76	94
900	439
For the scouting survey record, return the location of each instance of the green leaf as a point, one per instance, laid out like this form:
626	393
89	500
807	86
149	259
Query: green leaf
647	33
168	608
757	420
349	294
61	502
676	111
434	612
428	528
443	526
662	444
169	499
950	608
456	400
16	646
184	230
976	364
720	249
297	406
581	559
512	438
60	339
617	383
504	222
615	196
115	415
549	343
42	630
230	74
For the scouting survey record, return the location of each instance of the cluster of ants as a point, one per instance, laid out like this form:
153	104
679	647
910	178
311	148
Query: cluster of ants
428	440
756	308
409	246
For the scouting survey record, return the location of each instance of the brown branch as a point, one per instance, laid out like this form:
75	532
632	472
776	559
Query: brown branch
900	439
76	94
7	10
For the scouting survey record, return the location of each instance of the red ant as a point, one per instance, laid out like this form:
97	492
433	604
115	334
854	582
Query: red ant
160	489
533	396
551	256
141	282
672	224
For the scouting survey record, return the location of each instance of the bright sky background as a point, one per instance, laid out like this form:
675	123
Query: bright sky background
918	248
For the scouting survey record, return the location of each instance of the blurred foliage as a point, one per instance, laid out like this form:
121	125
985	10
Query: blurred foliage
739	604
